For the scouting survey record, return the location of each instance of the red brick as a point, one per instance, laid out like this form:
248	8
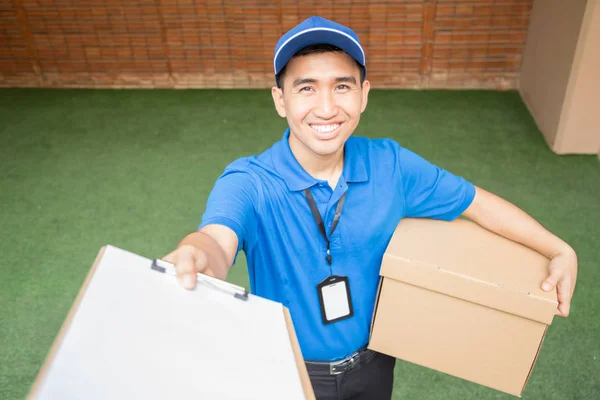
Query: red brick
447	43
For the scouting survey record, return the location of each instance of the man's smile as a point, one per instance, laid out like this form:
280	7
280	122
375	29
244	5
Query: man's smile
325	131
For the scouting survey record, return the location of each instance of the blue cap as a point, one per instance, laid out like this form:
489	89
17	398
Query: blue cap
317	30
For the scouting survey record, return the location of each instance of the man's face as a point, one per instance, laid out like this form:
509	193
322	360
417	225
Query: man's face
322	99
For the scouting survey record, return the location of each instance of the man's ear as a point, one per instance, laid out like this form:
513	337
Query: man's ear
366	86
277	94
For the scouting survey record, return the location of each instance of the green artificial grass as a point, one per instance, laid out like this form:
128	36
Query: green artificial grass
83	168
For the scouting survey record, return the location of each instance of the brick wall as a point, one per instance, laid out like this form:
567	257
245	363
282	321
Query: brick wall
229	43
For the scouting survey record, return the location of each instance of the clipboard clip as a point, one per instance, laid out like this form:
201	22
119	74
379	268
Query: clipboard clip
237	291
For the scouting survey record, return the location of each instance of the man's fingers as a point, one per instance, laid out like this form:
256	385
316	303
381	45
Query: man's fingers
552	280
563	276
564	309
549	283
188	262
186	269
184	266
564	294
201	262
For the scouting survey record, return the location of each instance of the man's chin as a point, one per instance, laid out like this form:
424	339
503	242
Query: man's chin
326	149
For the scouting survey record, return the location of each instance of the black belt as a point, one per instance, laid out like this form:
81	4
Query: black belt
339	367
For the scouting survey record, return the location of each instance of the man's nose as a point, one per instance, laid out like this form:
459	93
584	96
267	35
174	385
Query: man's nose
326	107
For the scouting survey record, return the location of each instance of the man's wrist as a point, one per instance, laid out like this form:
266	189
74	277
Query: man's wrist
564	250
192	240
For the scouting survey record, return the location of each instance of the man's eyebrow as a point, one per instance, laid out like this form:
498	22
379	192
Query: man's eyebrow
302	81
349	79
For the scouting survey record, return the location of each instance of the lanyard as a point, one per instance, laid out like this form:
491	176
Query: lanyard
315	212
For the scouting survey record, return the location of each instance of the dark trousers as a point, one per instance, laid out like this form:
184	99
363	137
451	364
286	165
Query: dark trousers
371	379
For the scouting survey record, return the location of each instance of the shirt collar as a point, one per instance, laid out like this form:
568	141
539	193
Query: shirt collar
296	178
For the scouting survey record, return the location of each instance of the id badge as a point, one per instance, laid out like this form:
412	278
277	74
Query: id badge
335	299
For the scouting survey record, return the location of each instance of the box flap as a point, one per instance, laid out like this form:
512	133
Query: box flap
537	354
464	260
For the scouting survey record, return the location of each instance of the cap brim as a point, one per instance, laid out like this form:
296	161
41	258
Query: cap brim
318	36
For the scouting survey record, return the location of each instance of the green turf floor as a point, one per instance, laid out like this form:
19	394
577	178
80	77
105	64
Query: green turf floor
82	168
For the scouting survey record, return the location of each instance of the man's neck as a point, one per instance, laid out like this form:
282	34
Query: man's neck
326	168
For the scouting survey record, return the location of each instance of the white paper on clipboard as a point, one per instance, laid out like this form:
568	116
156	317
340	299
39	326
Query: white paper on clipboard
136	334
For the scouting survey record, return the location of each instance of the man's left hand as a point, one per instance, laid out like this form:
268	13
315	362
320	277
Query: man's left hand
563	276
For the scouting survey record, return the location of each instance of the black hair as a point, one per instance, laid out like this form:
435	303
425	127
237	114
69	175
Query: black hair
317	49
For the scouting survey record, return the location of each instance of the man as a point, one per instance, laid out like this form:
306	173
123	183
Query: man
320	206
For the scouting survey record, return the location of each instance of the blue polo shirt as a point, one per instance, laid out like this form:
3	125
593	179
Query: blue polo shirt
261	199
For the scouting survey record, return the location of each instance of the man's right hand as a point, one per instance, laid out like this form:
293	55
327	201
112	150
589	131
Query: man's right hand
209	251
188	261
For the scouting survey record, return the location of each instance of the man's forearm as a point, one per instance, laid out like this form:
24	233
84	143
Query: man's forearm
505	219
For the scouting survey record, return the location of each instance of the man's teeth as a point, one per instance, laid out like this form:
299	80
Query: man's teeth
325	128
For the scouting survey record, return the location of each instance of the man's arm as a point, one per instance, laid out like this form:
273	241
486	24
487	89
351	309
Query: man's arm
509	221
228	221
211	251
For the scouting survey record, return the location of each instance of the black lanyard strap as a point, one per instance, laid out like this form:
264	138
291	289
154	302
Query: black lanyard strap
317	216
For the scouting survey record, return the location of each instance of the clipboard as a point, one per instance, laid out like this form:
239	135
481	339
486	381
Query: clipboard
133	332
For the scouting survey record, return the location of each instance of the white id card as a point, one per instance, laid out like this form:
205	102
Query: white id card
335	299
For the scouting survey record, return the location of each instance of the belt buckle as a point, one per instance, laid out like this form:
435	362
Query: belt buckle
339	367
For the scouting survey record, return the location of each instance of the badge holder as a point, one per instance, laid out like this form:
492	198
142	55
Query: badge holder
334	299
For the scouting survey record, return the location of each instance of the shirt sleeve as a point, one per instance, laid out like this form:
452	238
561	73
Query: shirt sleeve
231	203
430	191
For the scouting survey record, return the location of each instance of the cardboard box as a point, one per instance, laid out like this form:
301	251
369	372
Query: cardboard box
132	332
462	300
560	82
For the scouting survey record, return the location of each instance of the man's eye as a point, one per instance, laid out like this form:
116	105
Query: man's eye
343	87
306	89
